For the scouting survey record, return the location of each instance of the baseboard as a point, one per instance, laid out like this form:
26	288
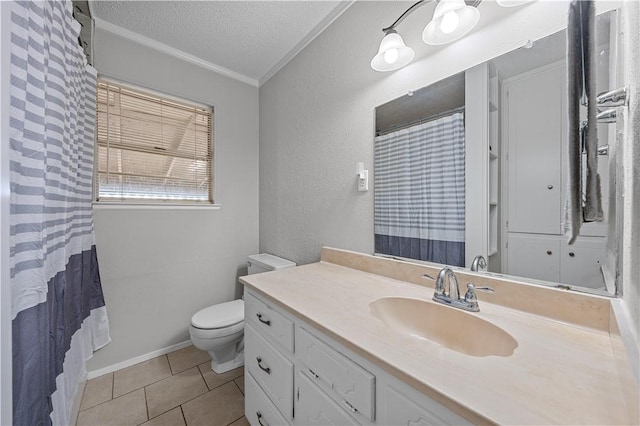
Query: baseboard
128	363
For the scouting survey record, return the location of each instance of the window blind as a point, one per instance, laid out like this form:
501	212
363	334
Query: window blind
151	148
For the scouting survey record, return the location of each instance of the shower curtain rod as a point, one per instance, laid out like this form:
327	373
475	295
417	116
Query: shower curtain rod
420	120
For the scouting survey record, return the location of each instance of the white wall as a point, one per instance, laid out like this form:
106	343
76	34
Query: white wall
159	266
630	155
317	116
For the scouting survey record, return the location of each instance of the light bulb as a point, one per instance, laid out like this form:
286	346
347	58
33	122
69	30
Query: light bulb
450	22
391	56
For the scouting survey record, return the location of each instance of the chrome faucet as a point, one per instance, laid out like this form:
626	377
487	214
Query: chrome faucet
448	275
479	264
470	300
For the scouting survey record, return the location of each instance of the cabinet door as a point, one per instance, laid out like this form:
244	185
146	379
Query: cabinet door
337	373
314	407
258	409
534	256
405	406
580	263
272	370
534	139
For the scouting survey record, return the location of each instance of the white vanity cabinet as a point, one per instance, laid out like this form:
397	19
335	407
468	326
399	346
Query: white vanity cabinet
297	375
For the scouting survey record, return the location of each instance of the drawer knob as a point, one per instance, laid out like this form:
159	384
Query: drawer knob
267	322
262	367
549	186
549	252
262	423
572	254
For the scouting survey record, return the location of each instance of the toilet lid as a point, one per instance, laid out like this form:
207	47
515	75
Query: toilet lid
220	315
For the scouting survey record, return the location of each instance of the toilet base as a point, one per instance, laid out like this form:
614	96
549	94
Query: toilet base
223	367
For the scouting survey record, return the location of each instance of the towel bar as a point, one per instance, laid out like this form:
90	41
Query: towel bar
608	116
614	98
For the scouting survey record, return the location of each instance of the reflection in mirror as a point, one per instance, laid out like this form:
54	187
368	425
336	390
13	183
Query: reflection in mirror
422	205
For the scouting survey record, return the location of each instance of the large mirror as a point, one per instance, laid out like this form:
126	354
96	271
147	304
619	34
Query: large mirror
427	161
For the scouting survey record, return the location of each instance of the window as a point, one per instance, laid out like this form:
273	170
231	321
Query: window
152	148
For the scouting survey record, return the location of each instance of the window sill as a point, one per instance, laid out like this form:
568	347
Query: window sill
153	206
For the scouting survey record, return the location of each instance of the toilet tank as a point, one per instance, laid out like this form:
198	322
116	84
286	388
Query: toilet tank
257	263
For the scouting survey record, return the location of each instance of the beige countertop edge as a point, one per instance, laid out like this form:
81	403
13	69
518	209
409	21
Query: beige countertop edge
440	397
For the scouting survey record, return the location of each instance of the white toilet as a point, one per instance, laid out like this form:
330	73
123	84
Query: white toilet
219	329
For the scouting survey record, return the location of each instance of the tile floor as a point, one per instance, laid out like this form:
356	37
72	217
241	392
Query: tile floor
174	389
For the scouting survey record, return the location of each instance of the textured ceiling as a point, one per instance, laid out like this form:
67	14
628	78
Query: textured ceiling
246	37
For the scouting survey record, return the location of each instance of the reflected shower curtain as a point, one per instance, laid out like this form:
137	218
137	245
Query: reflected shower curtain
420	192
58	311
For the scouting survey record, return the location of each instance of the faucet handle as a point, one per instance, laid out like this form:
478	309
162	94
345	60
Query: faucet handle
471	298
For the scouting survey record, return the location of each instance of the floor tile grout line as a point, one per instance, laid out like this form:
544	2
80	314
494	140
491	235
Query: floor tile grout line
195	397
182	403
159	380
183	416
146	403
143	388
228	424
237	385
84	391
112	399
113	387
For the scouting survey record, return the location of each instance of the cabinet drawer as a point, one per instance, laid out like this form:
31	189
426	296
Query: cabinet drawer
270	322
272	370
336	373
258	409
314	407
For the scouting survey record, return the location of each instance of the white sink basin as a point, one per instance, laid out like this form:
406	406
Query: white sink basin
453	328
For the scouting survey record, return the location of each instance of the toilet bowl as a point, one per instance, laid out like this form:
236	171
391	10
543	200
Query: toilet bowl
219	329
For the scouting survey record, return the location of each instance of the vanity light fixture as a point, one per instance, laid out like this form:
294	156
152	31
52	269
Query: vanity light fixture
393	53
452	19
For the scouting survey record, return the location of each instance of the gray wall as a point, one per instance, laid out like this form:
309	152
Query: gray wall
159	266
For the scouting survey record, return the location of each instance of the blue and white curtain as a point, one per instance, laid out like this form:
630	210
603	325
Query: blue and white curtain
420	191
59	317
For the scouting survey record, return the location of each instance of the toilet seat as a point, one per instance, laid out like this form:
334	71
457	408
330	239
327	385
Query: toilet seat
213	333
220	316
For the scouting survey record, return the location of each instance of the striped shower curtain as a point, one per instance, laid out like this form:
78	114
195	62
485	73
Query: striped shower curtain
58	311
420	192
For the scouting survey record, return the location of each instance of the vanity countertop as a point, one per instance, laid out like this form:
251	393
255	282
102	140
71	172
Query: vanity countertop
560	373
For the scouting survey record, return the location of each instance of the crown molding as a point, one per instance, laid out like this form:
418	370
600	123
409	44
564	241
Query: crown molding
315	32
153	44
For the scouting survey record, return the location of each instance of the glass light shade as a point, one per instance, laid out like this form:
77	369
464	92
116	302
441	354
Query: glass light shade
393	53
443	29
511	3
